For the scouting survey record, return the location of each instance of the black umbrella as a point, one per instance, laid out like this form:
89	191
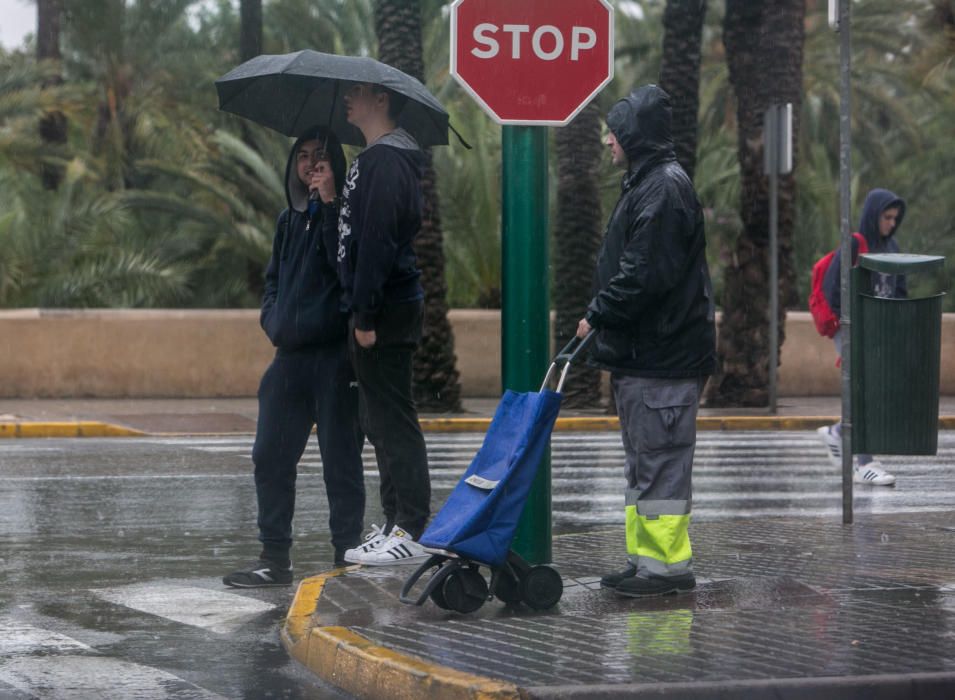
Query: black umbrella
292	92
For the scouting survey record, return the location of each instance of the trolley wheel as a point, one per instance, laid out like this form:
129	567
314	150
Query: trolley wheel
508	588
464	590
437	597
542	587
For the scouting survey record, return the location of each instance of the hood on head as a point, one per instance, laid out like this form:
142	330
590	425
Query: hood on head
641	124
296	192
876	202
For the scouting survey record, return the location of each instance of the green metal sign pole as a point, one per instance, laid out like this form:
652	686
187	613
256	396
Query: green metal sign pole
525	316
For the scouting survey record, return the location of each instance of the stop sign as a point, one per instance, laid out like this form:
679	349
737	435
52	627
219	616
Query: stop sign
532	61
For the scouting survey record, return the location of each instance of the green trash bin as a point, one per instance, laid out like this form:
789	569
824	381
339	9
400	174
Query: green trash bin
896	355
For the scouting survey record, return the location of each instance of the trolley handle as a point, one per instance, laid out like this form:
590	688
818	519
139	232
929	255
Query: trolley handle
567	356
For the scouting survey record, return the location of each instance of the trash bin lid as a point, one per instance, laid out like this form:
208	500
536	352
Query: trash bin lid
900	263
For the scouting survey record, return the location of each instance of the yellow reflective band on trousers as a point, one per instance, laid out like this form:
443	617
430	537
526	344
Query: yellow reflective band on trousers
665	538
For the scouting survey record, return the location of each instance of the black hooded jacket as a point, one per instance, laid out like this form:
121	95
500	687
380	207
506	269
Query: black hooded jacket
380	217
891	286
301	306
653	300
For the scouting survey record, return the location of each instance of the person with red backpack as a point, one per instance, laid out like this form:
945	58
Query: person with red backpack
882	214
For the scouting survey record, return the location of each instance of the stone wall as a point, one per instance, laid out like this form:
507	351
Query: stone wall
222	353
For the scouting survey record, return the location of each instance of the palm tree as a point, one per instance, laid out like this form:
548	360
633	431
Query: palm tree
577	228
398	26
764	47
53	123
250	29
680	73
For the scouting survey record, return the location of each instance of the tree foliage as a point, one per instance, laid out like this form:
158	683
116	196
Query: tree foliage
181	201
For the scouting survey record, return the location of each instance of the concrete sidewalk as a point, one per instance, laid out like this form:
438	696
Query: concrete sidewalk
784	608
107	417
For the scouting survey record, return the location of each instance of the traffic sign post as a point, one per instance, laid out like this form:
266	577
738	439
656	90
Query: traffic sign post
529	64
777	160
525	313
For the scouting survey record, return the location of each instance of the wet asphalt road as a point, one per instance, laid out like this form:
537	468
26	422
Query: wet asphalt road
111	550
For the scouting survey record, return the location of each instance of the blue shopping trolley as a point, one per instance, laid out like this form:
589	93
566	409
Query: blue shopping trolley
477	523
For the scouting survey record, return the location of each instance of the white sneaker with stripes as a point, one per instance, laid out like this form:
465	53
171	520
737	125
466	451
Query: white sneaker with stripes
832	442
872	473
399	548
373	539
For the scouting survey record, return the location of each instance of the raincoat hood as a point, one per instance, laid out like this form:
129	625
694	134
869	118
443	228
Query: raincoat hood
404	145
641	124
296	192
876	202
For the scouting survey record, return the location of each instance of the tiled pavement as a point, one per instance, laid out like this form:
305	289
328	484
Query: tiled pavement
782	604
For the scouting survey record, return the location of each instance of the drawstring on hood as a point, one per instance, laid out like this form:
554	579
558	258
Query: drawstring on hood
296	192
641	124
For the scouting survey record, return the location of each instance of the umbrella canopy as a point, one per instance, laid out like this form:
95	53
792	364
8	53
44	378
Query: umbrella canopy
291	92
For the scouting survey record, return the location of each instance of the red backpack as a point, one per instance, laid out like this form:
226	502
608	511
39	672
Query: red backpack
827	323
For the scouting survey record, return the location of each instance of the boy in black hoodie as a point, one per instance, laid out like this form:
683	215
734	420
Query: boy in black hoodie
379	216
882	214
310	381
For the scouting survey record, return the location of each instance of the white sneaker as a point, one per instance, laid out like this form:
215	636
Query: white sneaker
373	539
399	548
832	442
872	473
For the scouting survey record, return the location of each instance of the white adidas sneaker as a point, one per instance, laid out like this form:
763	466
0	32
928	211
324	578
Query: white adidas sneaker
373	539
873	474
832	442
399	548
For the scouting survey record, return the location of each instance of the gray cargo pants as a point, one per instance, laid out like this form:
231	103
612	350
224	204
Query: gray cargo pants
658	426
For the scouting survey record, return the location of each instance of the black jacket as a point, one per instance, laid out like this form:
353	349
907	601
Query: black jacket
380	216
653	300
301	306
890	286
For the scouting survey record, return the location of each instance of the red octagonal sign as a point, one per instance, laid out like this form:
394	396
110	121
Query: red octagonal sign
532	61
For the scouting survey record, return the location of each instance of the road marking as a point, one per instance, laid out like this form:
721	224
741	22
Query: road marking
70	677
18	638
47	664
216	611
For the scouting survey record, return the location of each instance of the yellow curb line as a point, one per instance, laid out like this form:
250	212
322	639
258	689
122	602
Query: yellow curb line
61	429
364	669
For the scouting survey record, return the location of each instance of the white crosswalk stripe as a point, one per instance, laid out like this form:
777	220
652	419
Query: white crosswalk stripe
45	664
216	611
735	473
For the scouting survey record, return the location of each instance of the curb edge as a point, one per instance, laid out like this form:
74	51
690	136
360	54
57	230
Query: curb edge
65	429
358	666
72	429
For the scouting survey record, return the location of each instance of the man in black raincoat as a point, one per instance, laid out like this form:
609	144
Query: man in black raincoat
654	315
310	382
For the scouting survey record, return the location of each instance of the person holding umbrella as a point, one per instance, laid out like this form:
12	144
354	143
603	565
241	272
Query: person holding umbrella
310	380
374	219
379	215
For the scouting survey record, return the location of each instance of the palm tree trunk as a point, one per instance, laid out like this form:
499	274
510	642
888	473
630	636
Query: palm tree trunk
250	29
764	48
680	73
577	230
53	123
250	46
437	386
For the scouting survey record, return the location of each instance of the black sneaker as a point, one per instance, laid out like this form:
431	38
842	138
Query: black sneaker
639	586
259	575
613	580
